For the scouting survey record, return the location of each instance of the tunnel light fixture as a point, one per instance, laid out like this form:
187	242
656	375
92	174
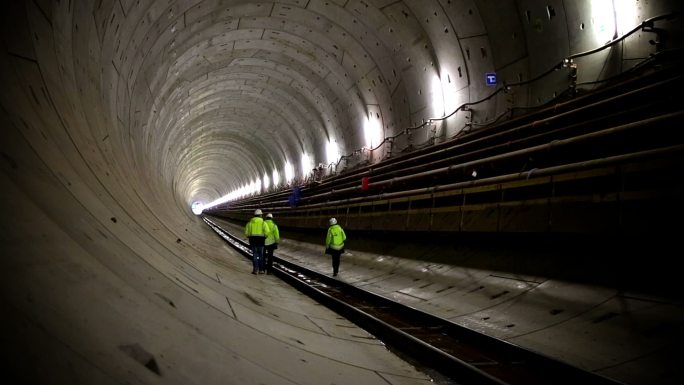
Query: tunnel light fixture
266	182
332	152
603	21
223	199
276	178
449	93
625	15
437	97
244	190
307	164
289	172
372	131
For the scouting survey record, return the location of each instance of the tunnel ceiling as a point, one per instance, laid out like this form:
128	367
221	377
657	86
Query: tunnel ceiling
171	102
118	114
211	95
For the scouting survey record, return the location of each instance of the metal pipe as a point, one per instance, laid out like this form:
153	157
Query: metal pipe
398	163
594	163
548	146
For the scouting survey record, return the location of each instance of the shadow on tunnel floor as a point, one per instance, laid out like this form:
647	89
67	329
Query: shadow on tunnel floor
640	262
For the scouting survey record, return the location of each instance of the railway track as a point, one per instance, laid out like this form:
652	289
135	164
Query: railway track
457	353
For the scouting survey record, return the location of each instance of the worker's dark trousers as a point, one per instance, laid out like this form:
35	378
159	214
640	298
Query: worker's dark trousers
336	260
268	256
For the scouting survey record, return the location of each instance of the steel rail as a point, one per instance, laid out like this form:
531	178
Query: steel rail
461	354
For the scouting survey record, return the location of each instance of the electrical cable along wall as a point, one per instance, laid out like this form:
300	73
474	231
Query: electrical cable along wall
118	116
586	168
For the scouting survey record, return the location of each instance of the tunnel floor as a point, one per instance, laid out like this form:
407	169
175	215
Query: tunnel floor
625	335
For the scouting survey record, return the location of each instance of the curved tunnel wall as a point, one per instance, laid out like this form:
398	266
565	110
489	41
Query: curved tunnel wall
117	115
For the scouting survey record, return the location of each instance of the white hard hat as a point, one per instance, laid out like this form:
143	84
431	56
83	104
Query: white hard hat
257	212
333	221
269	215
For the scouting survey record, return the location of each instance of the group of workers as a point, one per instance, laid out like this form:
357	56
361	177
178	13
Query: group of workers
264	236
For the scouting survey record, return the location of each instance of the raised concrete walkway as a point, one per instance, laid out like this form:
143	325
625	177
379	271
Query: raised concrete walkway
628	336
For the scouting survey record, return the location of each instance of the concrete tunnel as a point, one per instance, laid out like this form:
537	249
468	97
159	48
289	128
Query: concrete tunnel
119	115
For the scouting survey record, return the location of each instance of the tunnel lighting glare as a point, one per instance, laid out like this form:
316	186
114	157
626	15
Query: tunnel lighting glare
289	172
602	21
223	199
332	152
307	164
242	191
450	93
372	132
625	13
266	182
276	178
197	207
437	97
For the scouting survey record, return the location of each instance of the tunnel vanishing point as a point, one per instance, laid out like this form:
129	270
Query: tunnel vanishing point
528	147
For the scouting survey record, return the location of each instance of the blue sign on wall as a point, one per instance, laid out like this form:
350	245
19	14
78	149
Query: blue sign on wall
490	77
